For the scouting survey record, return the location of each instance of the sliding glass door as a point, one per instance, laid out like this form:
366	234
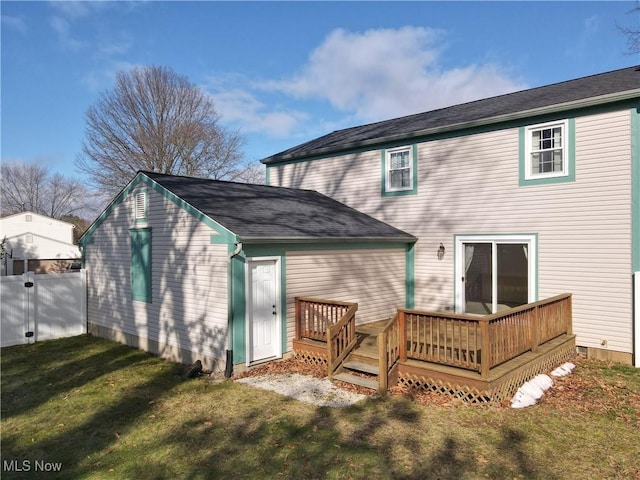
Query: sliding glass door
494	273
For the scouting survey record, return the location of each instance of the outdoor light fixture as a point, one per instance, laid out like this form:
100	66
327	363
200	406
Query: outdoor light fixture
440	252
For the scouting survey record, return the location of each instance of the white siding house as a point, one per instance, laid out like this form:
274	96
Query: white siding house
34	242
513	199
186	309
194	269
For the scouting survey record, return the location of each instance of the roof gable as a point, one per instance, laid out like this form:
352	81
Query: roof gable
585	91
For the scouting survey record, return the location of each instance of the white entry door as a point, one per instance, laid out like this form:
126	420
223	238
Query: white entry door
264	337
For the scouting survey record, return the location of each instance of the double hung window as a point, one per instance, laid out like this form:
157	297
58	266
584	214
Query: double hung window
399	176
547	152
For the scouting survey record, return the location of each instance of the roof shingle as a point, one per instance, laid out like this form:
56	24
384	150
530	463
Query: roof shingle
264	213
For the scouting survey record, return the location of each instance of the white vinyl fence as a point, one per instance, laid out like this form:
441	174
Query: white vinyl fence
42	307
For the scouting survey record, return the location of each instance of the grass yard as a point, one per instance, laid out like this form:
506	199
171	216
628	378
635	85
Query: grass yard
91	408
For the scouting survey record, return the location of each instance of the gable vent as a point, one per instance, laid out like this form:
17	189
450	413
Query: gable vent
141	206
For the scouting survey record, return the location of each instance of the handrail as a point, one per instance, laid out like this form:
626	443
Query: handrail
329	321
492	316
324	300
388	350
341	339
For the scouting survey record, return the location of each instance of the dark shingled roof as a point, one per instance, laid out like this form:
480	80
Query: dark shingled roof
488	110
261	213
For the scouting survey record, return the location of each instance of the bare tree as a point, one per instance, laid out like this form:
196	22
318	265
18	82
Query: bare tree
156	120
251	173
30	186
23	187
632	33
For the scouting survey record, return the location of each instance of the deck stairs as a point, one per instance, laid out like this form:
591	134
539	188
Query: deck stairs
361	365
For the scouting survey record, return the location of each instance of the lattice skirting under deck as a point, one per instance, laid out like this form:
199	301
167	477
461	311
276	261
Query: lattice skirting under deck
313	358
501	389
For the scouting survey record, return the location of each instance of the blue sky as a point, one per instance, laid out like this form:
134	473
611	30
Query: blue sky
285	72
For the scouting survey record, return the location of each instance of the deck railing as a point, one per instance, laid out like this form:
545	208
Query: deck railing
313	315
341	339
472	342
328	321
481	343
388	351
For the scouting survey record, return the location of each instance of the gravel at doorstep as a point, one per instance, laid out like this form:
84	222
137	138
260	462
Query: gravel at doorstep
316	391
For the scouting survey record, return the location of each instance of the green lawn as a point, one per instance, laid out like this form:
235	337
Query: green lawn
102	410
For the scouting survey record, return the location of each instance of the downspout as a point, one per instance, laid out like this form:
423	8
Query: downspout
228	371
635	314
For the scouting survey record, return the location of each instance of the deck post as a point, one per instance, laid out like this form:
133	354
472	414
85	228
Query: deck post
330	358
485	360
567	312
297	317
402	336
535	330
383	363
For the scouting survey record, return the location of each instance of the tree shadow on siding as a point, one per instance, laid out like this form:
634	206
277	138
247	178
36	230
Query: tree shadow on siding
429	215
183	278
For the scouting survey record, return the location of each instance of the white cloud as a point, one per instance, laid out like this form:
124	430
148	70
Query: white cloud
77	9
104	79
70	14
243	108
119	45
62	28
15	23
364	77
385	73
582	44
592	24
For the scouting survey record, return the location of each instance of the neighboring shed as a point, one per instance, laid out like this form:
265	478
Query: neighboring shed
201	269
36	243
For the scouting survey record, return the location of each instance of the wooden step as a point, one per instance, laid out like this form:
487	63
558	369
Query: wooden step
355	380
361	367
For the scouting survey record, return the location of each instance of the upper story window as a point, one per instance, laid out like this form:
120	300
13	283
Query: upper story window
140	206
399	174
547	152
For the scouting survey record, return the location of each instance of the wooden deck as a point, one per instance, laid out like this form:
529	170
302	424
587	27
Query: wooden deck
444	352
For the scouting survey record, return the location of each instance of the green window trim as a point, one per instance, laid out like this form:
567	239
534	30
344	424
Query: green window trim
410	275
571	160
141	264
414	172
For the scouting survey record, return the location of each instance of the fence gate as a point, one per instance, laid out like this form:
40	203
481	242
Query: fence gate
42	307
